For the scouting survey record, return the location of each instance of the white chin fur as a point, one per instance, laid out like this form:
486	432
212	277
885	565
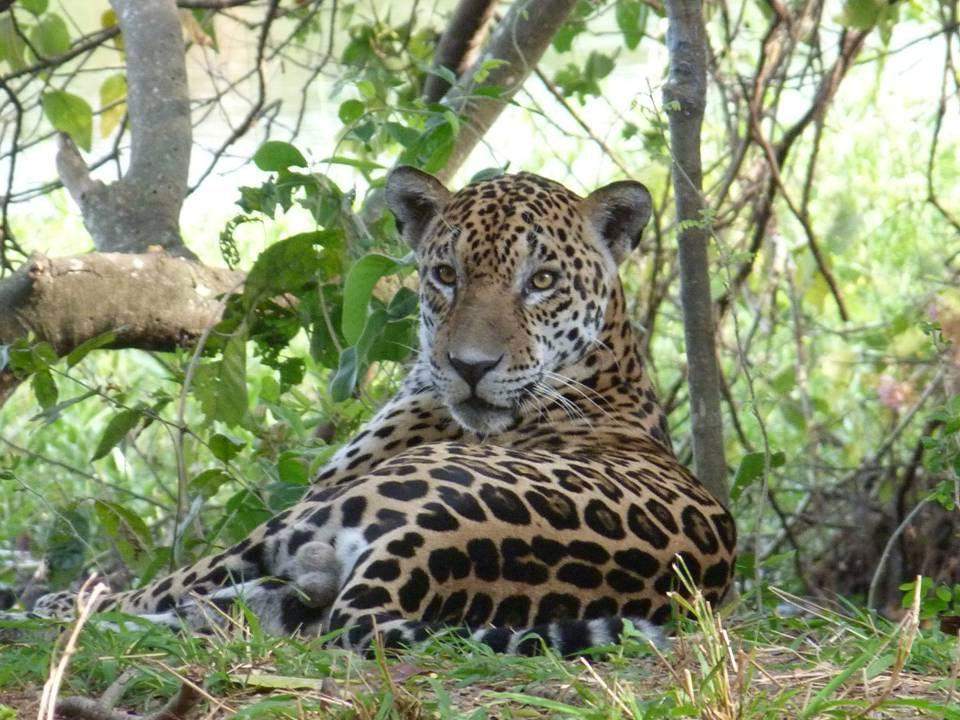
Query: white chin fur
485	422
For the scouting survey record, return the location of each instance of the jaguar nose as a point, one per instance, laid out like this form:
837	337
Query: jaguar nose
472	371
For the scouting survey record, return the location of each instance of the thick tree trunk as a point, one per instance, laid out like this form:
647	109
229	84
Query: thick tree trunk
685	99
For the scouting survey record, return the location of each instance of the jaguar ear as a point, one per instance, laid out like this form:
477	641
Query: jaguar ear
619	212
415	198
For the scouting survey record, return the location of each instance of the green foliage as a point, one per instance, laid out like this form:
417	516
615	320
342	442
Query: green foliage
113	93
241	391
12	47
752	467
274	156
116	430
585	81
70	114
942	453
50	36
361	279
935	598
632	21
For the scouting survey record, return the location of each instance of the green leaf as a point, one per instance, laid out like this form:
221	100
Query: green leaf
224	447
292	371
487	67
632	20
444	73
45	389
351	111
285	266
436	146
598	66
751	468
344	380
275	155
115	431
206	24
113	92
242	513
861	14
221	386
563	39
361	279
487	174
208	482
66	542
50	36
784	381
394	341
70	114
128	531
292	470
404	135
53	413
12	46
37	7
88	346
403	304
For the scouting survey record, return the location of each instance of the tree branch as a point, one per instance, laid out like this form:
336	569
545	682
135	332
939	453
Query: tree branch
685	98
458	46
151	301
142	209
520	40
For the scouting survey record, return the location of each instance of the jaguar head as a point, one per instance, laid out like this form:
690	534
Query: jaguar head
516	274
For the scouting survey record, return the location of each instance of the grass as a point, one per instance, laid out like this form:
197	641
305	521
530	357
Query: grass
820	663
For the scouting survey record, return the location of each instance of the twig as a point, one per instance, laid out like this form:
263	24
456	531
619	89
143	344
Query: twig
937	125
176	708
907	632
558	96
85	607
77	471
179	433
8	241
882	562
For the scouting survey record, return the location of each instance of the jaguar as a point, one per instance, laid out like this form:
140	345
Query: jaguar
520	488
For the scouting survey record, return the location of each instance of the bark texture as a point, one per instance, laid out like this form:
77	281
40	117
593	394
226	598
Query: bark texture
685	99
520	40
142	209
458	46
151	301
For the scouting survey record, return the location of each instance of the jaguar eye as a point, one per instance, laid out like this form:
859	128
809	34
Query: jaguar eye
445	275
542	280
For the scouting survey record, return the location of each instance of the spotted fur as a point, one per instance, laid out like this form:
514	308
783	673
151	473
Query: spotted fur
521	487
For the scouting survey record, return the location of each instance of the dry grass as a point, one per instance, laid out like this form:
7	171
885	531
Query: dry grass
743	668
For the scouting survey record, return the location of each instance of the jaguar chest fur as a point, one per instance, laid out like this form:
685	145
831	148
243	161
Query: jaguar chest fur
521	487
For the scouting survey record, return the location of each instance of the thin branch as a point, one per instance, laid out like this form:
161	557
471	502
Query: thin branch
558	96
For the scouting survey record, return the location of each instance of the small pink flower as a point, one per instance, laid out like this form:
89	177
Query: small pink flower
893	393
